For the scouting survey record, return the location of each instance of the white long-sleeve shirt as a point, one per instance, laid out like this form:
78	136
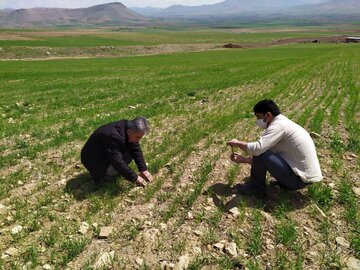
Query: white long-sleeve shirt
294	144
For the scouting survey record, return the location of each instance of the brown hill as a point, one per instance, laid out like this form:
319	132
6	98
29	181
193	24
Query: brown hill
99	14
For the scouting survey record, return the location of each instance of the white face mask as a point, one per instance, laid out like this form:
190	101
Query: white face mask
261	123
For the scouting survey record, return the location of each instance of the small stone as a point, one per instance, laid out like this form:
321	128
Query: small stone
163	226
12	252
230	249
139	261
353	263
46	267
20	183
342	242
183	262
132	107
3	209
208	208
356	191
105	232
190	215
84	227
332	185
105	260
219	246
234	211
270	247
17	229
198	233
210	201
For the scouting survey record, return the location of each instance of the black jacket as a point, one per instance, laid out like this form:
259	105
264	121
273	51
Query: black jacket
109	145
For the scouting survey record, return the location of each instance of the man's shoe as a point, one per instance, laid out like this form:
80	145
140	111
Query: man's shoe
252	190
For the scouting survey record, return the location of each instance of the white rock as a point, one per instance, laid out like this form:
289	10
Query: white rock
20	183
234	211
356	191
46	267
17	229
231	249
12	251
163	226
219	246
190	215
4	256
3	209
139	261
198	233
197	250
84	227
105	232
342	242
353	263
332	185
183	263
105	260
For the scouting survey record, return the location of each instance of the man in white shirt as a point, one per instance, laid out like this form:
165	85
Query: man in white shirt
285	150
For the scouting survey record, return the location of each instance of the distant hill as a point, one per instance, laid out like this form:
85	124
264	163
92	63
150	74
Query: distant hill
332	7
233	7
100	14
146	11
264	8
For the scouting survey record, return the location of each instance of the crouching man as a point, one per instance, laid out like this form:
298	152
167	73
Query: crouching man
285	150
109	150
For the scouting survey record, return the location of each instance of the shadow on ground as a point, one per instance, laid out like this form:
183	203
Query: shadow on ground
82	186
220	194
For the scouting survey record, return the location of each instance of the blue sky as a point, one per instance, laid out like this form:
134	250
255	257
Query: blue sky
86	3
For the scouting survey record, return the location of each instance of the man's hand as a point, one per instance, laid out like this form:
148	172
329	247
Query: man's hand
233	142
240	159
146	175
141	182
237	143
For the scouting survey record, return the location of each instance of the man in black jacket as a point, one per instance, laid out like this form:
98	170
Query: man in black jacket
110	149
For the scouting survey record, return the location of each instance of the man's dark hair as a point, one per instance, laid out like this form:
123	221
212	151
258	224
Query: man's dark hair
139	124
267	105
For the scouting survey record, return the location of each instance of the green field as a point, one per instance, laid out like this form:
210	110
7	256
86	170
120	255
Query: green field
195	102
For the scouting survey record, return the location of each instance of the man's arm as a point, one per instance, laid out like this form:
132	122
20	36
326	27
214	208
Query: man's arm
140	162
116	159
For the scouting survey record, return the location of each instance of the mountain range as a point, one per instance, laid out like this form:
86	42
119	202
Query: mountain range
117	13
110	13
258	7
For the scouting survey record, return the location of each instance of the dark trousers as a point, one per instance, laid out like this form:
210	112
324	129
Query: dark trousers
98	167
278	168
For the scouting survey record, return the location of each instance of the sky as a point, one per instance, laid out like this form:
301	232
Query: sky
16	4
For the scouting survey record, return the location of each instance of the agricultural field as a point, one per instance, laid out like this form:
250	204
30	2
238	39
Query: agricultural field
52	214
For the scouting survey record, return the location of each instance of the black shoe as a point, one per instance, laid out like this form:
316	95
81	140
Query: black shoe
252	190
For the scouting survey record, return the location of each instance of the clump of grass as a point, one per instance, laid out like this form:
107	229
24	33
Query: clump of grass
254	239
72	248
337	145
31	255
349	200
321	195
52	237
286	233
253	265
